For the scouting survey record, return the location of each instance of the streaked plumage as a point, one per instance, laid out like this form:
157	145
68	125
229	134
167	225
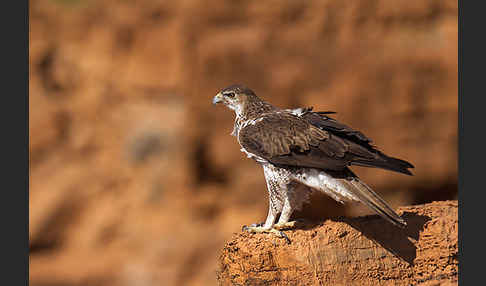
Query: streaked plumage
303	151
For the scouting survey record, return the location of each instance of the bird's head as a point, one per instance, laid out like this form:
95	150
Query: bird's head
236	97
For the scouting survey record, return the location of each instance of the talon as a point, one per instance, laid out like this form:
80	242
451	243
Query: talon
280	234
261	229
285	236
253	225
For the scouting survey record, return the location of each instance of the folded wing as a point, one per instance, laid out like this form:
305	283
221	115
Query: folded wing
313	140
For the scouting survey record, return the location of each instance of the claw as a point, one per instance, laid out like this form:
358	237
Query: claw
256	224
253	225
257	228
283	235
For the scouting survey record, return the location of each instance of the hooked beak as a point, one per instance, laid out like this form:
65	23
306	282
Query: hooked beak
218	98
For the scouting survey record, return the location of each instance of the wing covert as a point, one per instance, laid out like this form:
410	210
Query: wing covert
286	139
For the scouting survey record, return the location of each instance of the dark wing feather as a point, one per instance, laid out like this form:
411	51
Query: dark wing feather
286	139
380	161
329	124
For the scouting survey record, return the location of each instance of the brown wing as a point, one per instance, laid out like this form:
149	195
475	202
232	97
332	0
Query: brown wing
286	139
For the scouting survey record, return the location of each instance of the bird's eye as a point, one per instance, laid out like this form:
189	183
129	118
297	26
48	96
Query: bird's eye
230	94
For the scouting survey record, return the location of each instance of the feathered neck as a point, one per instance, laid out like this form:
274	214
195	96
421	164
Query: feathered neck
251	110
254	107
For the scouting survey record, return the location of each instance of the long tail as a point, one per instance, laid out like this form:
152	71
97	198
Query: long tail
367	196
388	163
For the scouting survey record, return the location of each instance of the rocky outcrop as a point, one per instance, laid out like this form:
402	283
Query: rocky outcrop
360	251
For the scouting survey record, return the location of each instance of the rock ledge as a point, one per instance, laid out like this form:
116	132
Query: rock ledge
351	251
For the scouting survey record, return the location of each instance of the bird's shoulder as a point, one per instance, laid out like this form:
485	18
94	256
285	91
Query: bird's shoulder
276	133
282	122
281	119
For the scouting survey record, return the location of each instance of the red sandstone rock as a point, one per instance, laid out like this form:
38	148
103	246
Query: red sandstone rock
360	251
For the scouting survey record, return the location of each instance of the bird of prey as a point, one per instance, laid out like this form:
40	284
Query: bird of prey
302	151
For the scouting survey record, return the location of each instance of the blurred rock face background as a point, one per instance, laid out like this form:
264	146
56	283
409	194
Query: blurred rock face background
135	179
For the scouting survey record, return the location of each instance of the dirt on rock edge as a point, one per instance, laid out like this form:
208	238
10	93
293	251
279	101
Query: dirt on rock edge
351	251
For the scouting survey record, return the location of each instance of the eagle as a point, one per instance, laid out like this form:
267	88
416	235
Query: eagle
302	151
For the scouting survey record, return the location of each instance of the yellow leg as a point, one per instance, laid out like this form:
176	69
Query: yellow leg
285	225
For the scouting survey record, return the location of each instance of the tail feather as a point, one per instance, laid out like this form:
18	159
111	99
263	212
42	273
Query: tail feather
387	163
367	196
